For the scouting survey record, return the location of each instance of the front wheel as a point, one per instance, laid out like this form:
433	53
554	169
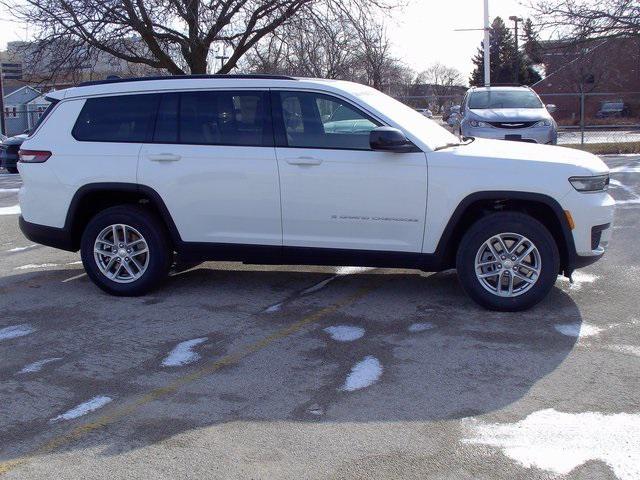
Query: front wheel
125	251
507	261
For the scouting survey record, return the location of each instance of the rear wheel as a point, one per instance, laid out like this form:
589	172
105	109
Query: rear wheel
125	251
507	261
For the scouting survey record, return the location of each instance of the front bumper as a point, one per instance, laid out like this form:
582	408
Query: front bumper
544	135
592	214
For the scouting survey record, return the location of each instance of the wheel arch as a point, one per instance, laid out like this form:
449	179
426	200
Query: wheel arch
540	206
92	198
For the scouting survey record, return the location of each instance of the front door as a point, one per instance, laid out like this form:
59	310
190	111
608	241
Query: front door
213	163
336	192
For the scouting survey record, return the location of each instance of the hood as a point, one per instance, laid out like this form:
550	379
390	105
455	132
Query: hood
15	140
575	161
510	114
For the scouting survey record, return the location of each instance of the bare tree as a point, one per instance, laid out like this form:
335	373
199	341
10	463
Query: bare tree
590	18
442	81
175	36
341	40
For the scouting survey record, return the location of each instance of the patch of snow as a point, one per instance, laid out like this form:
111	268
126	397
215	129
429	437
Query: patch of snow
628	349
273	308
558	442
79	262
16	331
182	354
37	366
345	333
577	329
318	286
33	266
13	210
352	270
420	327
626	169
363	374
579	279
9	190
84	408
20	249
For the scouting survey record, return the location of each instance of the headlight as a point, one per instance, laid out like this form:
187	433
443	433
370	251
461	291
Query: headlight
543	123
596	183
477	123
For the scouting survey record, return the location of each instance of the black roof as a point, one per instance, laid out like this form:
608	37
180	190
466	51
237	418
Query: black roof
184	77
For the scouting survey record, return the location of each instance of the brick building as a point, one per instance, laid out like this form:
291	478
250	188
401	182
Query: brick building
606	70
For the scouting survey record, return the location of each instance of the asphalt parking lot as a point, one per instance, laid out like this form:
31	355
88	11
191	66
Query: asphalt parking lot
241	371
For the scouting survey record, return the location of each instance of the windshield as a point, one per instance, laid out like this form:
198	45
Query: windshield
490	99
413	122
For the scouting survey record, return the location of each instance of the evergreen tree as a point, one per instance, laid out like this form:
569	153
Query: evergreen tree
503	59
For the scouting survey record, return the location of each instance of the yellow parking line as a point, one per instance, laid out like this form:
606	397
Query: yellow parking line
173	386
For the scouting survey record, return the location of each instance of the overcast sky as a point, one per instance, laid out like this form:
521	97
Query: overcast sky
422	33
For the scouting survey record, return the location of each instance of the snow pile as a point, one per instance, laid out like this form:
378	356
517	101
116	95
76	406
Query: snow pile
84	408
559	442
183	353
363	374
15	331
577	329
345	333
420	327
37	366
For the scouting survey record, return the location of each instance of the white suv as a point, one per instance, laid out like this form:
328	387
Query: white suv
279	170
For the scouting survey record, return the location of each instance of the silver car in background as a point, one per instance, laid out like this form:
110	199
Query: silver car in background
507	113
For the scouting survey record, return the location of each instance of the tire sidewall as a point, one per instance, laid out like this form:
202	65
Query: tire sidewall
153	233
495	224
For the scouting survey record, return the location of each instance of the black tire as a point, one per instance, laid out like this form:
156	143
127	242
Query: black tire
12	169
155	235
503	222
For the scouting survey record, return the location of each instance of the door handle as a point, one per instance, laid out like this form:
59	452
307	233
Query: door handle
163	157
304	161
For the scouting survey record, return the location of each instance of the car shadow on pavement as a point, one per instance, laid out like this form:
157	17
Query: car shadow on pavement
431	354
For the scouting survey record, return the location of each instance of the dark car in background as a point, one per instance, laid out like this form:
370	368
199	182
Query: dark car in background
9	152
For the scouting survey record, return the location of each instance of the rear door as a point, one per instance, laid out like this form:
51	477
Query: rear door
336	192
212	161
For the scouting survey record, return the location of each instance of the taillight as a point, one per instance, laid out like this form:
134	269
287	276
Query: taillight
33	156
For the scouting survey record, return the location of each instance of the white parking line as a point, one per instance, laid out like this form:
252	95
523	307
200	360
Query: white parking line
74	278
13	210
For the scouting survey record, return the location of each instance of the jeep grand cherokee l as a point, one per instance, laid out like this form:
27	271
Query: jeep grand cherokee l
257	169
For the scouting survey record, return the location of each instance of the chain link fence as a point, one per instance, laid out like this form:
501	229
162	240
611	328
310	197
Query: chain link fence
17	119
596	122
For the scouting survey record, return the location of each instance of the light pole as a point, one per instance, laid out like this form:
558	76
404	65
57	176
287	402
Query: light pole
515	19
487	45
3	129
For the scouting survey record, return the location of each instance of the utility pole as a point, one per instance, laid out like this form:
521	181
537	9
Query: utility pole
515	19
3	127
487	45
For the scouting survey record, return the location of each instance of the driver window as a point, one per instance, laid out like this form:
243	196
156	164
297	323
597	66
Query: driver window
314	120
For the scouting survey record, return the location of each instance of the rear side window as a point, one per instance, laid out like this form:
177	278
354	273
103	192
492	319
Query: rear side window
214	118
45	114
126	118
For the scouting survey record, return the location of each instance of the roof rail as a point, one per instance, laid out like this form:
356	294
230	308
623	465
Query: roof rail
184	77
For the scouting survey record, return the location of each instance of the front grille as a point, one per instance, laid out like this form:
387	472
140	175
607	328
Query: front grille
512	125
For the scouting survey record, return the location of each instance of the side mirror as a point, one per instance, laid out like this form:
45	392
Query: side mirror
551	107
389	139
